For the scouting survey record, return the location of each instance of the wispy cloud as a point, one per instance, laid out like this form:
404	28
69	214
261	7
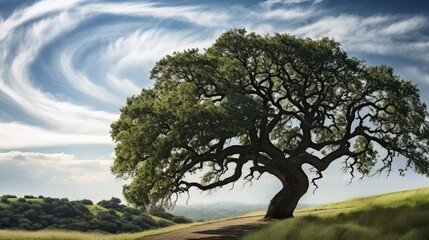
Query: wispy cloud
377	34
200	14
16	135
37	10
98	53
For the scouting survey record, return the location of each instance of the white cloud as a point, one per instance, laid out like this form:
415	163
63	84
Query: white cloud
38	9
287	14
270	3
58	166
133	54
16	135
57	175
416	74
377	34
405	26
198	15
80	81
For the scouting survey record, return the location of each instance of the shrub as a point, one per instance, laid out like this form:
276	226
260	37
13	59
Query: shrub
181	219
164	223
9	196
86	202
4	199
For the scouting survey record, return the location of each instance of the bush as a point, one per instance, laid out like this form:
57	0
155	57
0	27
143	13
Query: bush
181	219
4	199
162	214
29	196
9	196
164	223
86	202
54	213
113	203
41	197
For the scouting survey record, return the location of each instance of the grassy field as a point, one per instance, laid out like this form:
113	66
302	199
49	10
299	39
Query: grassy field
401	215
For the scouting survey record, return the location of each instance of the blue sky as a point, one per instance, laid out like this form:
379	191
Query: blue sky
66	68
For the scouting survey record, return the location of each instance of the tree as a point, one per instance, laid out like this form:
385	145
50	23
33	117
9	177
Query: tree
275	102
113	203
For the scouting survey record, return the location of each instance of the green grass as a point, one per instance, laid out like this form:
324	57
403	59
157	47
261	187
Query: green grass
409	197
401	215
94	209
405	222
36	200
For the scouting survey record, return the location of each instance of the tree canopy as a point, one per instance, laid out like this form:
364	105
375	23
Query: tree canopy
274	101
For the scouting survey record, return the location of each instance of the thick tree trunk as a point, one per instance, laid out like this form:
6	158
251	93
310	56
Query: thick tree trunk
284	202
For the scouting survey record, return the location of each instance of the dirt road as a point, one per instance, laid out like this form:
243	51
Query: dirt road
226	230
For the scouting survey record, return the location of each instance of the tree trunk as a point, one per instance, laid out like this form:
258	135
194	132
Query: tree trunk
284	202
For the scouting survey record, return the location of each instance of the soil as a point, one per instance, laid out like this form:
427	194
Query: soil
226	230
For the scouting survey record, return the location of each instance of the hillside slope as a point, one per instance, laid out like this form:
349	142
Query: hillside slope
110	216
400	215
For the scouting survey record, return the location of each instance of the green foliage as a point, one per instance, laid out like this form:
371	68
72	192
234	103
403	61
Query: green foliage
86	202
113	203
4	199
9	196
181	219
54	213
176	219
278	101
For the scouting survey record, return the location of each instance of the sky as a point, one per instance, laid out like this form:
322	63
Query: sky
67	67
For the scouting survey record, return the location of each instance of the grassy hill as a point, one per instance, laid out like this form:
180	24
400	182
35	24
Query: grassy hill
400	215
109	216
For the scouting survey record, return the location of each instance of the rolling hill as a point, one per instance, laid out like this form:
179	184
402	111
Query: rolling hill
109	216
400	215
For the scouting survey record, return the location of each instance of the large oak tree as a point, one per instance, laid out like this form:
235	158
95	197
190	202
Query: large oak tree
275	102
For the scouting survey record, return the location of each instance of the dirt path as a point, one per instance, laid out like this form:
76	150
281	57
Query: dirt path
226	230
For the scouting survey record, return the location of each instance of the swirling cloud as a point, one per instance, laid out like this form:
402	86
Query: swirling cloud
66	67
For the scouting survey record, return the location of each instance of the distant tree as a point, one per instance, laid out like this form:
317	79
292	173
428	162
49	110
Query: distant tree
4	199
113	203
164	223
276	102
160	212
181	219
9	196
86	202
